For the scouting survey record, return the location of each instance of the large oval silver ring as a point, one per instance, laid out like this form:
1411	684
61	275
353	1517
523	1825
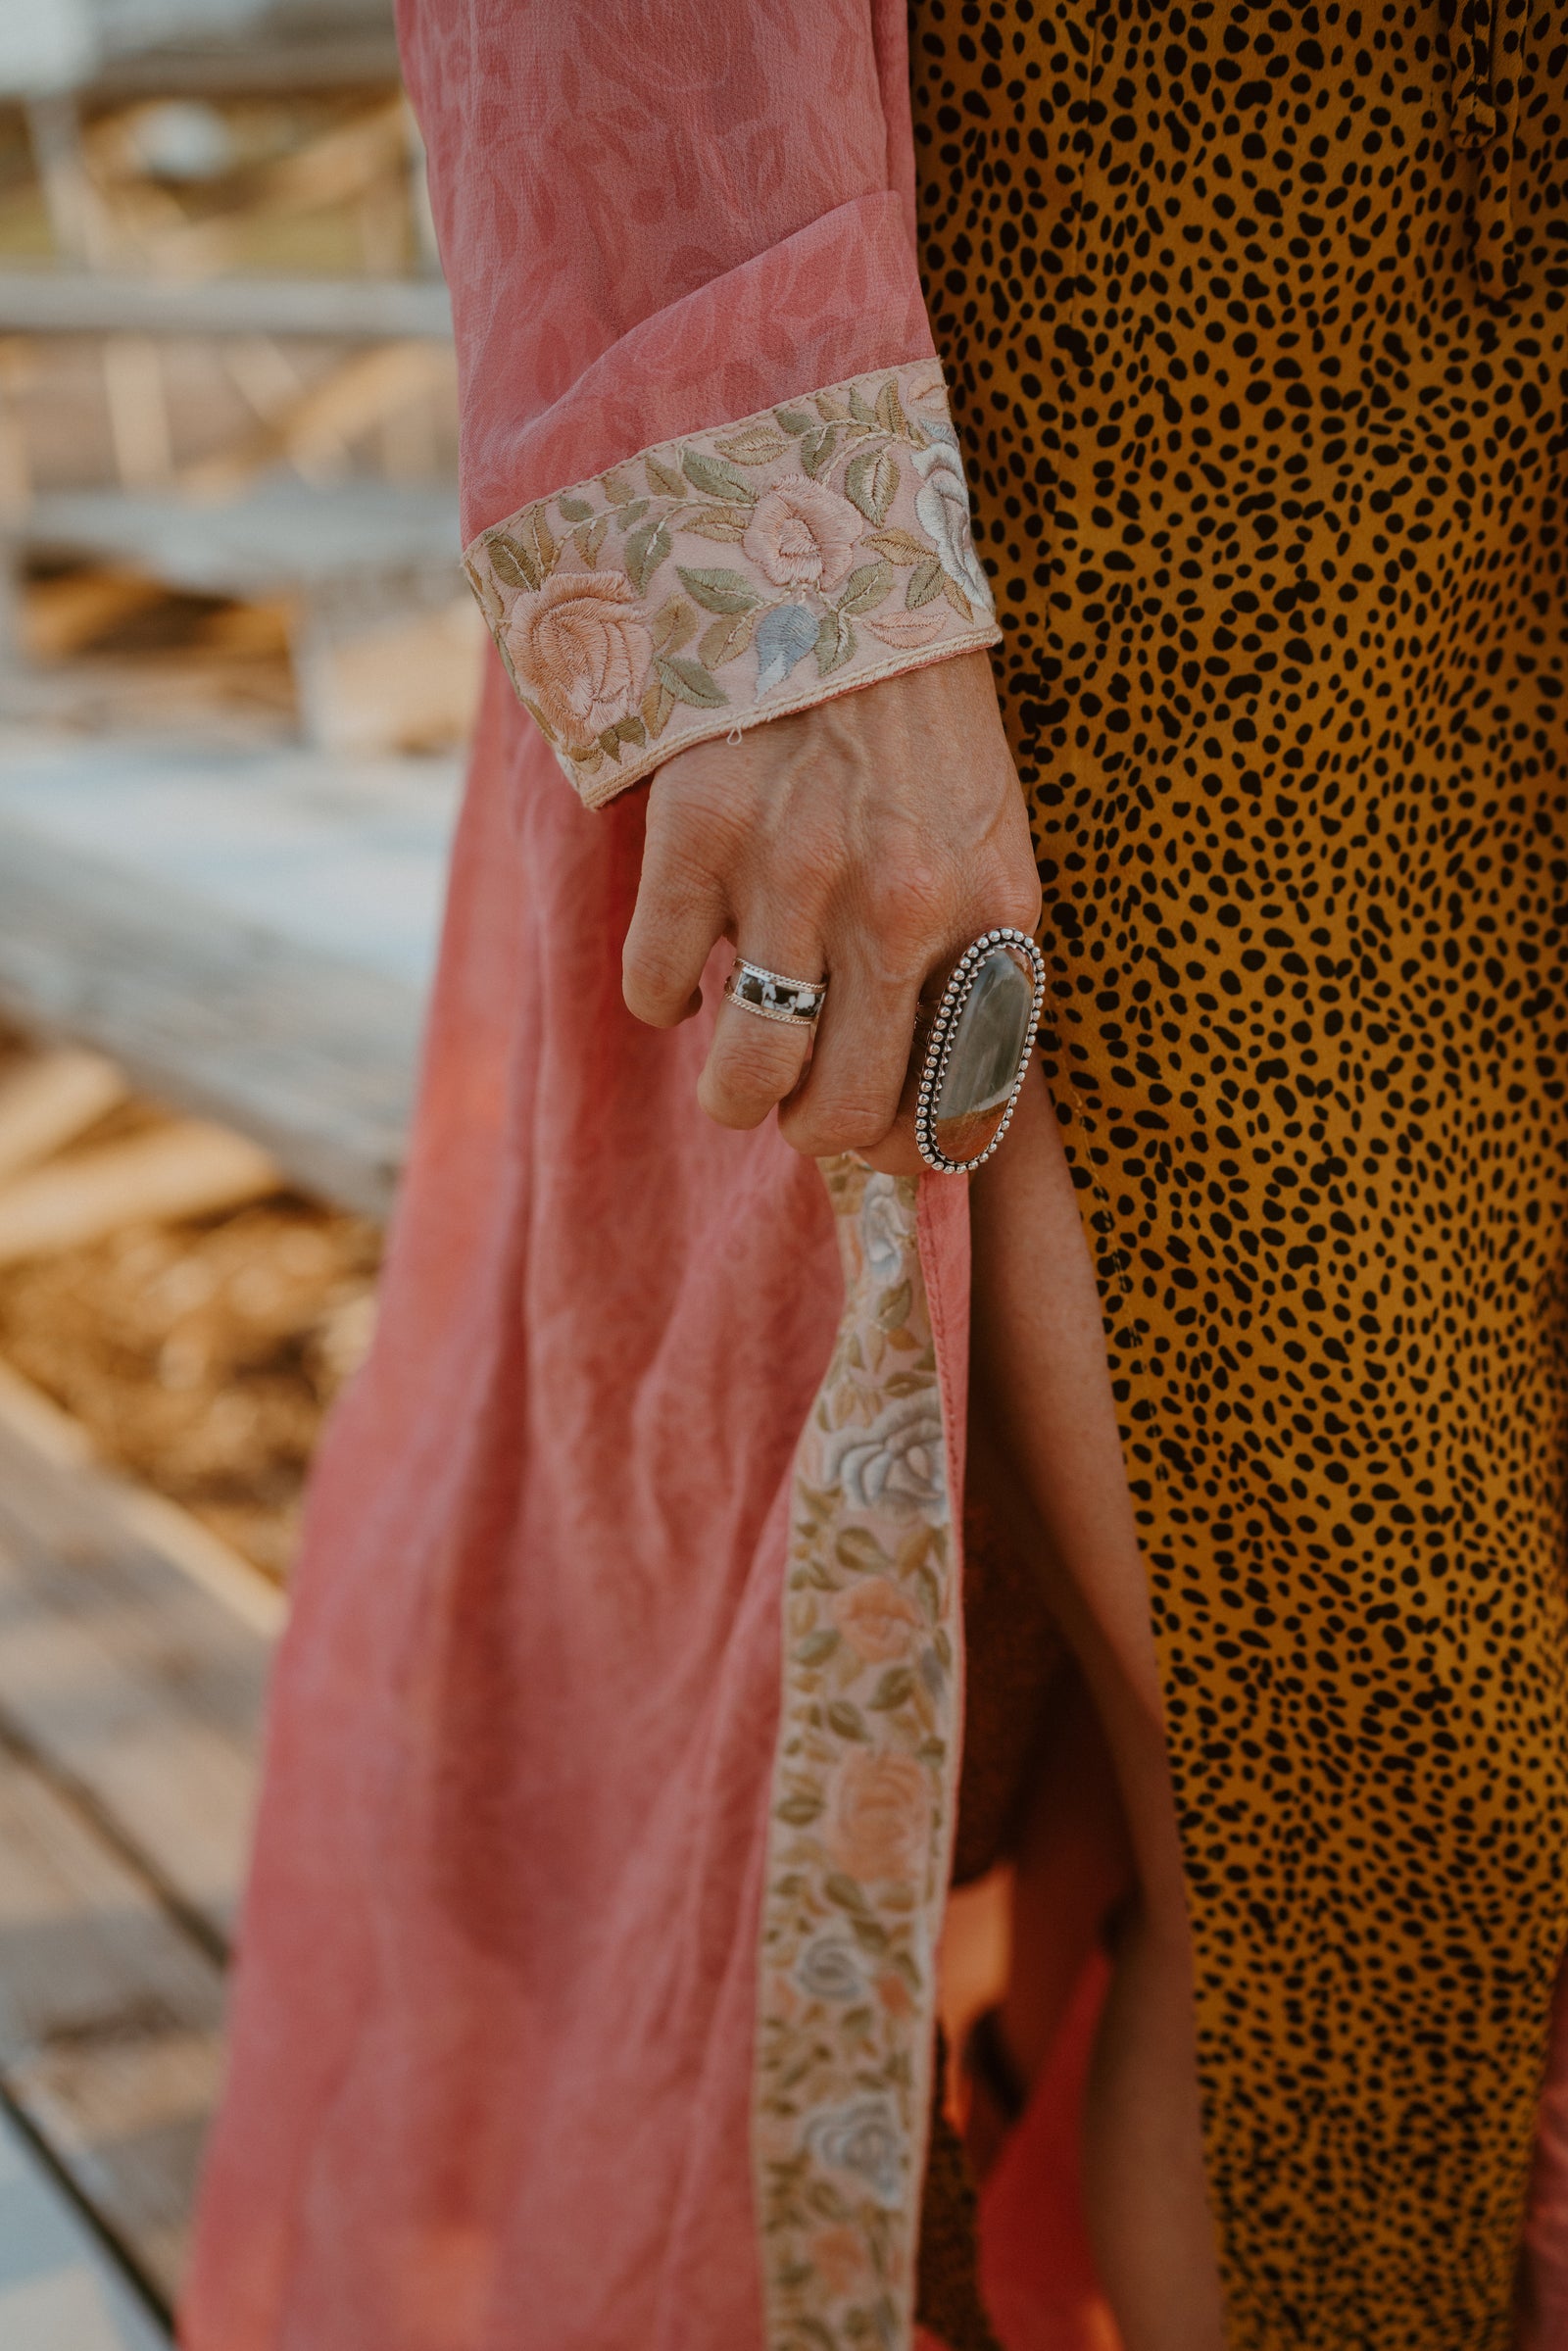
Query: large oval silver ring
978	1050
773	996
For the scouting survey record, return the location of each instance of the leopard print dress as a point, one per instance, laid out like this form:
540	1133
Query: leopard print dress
1255	322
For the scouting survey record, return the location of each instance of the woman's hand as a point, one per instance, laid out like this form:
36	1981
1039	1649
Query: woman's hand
869	838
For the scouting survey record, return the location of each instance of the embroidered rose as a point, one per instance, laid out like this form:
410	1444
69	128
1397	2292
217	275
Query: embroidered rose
942	509
884	1229
879	1817
582	651
801	535
875	1618
862	2139
827	1970
839	2258
894	1465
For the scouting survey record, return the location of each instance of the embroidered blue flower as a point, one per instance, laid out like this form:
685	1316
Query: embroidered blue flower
827	1970
784	636
864	2138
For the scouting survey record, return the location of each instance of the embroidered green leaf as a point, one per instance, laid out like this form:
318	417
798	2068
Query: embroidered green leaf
690	682
870	482
576	509
843	1891
957	598
925	582
868	1933
812	2331
658	702
673	625
719	591
633	512
645	549
830	407
541	539
817	1647
610	744
908	1971
726	640
847	1720
930	1591
631	729
819	448
857	1547
890	410
718	522
859	408
664	479
894	1308
588	539
756	445
898	546
510	563
616	488
866	587
791	420
713	477
799	1811
484	588
835	643
892	1689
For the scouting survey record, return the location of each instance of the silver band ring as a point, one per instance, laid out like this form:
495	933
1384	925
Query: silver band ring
772	997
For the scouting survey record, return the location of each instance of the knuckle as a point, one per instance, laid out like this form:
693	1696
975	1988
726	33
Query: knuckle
655	990
910	907
841	1123
747	1071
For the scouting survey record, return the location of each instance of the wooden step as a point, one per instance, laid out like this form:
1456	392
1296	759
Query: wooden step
133	1652
58	2289
133	1657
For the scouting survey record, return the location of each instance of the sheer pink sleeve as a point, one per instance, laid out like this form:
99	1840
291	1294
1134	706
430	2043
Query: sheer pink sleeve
708	473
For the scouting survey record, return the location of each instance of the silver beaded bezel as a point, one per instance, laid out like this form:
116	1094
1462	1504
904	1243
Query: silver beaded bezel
934	1067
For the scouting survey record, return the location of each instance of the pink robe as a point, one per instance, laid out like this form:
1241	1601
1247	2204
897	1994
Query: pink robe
586	1977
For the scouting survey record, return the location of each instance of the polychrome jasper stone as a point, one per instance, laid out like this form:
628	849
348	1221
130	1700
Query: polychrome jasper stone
978	1051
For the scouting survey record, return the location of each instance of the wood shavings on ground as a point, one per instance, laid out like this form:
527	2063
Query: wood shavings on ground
204	1356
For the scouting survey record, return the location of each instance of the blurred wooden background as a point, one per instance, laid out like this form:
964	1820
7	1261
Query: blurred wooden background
237	668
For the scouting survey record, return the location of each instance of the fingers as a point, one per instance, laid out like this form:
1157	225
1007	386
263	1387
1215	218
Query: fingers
682	909
753	1062
850	1099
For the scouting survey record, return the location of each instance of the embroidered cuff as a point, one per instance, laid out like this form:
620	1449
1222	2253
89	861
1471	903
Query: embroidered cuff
722	579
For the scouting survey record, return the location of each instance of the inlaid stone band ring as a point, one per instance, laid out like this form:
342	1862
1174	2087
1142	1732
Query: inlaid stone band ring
978	1050
772	997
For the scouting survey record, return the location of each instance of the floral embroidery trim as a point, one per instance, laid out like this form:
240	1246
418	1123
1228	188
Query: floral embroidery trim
715	581
863	1796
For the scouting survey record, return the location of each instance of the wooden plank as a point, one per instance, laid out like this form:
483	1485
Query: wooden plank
282	538
49	1100
186	1168
110	2024
59	2288
134	1680
57	301
310	1055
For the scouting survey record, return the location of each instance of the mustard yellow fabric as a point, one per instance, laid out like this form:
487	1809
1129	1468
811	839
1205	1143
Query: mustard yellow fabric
1253	320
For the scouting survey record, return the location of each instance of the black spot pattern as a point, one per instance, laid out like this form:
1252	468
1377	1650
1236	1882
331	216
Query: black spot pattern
1256	322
